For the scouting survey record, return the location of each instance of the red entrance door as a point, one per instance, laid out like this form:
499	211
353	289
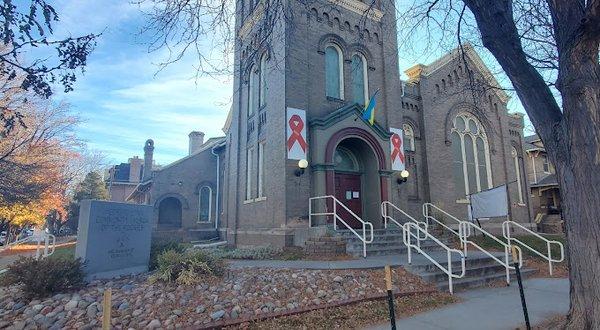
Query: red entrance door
347	191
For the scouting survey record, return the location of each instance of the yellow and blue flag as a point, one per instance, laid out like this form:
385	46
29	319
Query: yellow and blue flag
369	112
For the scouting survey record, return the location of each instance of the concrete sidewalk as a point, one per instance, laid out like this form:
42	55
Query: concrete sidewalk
494	308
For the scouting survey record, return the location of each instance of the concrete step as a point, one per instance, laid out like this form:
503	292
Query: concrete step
478	281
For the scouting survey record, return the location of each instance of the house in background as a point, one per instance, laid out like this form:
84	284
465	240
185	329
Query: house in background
122	179
545	195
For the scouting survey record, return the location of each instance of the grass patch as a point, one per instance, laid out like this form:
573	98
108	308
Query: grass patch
64	252
532	241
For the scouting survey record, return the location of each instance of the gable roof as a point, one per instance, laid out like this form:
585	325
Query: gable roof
207	145
470	53
345	112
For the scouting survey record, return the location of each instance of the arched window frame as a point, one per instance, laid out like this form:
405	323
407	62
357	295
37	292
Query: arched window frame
200	194
252	95
409	137
262	81
340	70
515	156
356	167
365	76
466	117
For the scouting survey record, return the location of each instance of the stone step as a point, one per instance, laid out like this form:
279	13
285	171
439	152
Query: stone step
348	233
478	281
358	245
470	272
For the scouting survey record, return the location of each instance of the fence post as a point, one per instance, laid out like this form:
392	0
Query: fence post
106	308
518	271
388	284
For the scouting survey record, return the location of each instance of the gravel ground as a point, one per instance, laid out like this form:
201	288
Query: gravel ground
241	293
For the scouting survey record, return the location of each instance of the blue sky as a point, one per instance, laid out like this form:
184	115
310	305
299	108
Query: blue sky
124	101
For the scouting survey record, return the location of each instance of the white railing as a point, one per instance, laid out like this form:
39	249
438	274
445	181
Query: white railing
335	202
428	217
387	217
407	234
45	244
48	247
466	228
506	233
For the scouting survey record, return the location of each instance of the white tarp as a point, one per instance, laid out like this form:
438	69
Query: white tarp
489	203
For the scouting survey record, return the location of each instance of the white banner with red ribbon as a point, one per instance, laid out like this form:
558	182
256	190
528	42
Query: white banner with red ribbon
397	149
296	145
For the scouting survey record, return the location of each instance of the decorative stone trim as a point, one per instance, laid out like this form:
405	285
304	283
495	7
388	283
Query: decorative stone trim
360	8
256	15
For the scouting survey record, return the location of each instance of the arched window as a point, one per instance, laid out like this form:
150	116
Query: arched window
470	150
252	91
262	80
205	204
345	160
360	81
515	157
409	137
334	72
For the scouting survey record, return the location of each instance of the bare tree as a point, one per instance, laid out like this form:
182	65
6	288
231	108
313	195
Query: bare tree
548	49
28	26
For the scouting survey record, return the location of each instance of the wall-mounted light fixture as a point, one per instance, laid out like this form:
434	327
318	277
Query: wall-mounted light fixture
302	165
403	177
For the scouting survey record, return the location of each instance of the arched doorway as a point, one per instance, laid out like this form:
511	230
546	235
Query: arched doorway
356	180
169	213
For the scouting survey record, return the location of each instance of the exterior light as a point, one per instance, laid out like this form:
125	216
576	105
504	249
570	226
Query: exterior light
302	165
403	176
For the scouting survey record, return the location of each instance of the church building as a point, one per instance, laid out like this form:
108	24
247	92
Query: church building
296	130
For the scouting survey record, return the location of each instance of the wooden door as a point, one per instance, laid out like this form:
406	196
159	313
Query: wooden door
347	191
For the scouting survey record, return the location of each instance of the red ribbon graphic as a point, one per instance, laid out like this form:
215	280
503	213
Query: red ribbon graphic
397	152
296	124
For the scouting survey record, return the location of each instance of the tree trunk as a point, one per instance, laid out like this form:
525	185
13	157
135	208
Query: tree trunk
579	178
571	136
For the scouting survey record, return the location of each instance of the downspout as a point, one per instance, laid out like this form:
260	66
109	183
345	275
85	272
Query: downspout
217	211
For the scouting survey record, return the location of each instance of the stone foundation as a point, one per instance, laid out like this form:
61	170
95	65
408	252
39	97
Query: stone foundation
325	245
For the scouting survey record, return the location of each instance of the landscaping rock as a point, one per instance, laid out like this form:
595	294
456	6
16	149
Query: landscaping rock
154	324
217	315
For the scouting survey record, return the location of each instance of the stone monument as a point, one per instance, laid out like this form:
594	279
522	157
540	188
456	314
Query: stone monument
113	238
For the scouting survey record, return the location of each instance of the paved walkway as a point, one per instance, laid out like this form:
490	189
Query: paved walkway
494	308
359	263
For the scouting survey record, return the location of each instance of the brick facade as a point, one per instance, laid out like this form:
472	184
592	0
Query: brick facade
292	59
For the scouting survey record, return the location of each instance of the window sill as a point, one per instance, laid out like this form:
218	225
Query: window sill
260	199
521	204
248	201
204	222
462	201
335	99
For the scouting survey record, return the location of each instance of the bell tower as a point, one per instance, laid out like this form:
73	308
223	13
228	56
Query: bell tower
326	58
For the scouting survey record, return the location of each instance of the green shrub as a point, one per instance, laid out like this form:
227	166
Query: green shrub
187	267
44	277
252	253
159	247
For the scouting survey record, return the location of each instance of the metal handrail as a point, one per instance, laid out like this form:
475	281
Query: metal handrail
430	217
407	241
336	218
507	248
506	233
48	247
386	217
